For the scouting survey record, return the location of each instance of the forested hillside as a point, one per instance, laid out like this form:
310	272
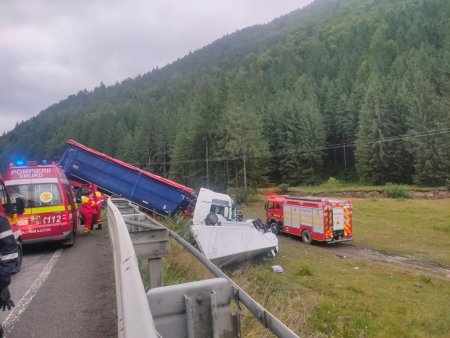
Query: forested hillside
355	89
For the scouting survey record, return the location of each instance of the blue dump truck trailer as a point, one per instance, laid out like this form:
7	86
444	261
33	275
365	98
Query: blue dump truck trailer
152	192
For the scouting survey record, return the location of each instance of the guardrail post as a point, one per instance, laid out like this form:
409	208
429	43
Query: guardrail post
155	273
149	244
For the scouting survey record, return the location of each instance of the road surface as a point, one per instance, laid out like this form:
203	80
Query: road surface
65	292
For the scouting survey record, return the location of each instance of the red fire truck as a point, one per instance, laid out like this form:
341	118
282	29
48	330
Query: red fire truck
51	212
313	219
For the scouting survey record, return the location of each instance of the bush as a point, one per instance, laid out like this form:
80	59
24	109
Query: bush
396	191
447	184
242	195
181	225
283	188
333	181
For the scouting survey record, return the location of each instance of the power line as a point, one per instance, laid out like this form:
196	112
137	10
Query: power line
305	150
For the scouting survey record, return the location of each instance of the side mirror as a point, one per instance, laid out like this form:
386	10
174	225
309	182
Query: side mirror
265	206
19	206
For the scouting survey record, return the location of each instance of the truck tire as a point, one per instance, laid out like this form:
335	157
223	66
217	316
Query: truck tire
306	237
275	227
211	219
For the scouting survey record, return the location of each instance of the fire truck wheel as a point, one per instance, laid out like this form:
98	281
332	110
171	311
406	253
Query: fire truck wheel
306	237
275	228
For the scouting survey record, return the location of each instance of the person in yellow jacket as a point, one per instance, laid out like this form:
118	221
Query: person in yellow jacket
88	210
98	196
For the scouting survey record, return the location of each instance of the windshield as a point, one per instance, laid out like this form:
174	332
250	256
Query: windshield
36	195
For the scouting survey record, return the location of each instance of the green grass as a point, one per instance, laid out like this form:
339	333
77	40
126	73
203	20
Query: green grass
325	295
414	227
320	295
374	300
408	227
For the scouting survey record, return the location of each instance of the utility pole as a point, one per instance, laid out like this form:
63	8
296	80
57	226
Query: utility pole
207	165
245	172
345	156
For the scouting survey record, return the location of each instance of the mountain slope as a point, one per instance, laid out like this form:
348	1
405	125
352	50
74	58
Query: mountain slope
357	89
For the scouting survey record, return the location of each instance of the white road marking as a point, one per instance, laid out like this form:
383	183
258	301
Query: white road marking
21	306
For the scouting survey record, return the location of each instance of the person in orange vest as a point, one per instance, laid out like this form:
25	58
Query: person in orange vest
98	196
88	210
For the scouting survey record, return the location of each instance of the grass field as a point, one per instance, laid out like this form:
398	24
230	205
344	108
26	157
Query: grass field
321	295
414	227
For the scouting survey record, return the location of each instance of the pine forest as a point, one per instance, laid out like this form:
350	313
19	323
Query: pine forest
353	89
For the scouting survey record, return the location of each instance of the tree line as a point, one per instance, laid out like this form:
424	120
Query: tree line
354	89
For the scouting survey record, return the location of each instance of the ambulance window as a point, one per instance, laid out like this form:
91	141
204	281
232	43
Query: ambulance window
37	195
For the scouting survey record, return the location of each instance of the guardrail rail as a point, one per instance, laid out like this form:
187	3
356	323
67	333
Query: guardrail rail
195	309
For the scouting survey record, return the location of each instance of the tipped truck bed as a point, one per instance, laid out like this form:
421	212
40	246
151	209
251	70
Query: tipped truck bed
147	190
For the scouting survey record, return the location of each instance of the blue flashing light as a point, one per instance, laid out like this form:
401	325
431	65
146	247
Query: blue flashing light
44	162
20	163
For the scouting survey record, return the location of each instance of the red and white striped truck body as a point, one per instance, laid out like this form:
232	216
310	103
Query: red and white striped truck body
313	219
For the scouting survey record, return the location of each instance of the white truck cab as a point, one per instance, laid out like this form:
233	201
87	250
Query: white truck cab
211	203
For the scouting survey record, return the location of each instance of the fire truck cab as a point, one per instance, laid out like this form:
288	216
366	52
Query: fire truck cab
51	212
318	219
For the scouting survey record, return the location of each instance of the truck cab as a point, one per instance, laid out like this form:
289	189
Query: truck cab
10	210
212	208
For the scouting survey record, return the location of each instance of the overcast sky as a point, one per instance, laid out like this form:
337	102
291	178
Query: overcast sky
50	49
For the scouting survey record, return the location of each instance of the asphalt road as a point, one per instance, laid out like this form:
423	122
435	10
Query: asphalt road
65	292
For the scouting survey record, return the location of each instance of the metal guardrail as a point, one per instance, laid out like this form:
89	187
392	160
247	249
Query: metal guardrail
133	313
132	295
265	317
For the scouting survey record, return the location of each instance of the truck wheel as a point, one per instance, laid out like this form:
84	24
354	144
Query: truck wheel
211	219
306	237
274	227
19	258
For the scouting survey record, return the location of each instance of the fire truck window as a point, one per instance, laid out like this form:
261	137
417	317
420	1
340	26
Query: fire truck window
278	206
270	205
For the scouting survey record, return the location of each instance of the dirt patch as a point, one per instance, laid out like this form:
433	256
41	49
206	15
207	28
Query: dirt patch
433	194
406	262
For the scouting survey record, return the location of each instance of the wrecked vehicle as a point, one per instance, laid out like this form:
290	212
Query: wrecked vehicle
222	238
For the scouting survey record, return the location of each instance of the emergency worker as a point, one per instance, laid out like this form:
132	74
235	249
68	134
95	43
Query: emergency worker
88	210
98	196
8	264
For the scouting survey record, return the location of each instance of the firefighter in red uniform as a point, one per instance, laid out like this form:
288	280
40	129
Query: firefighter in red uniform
98	197
88	210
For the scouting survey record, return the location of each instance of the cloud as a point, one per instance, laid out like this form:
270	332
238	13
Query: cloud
52	49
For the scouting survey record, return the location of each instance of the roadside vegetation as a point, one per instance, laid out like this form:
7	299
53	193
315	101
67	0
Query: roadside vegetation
323	293
333	185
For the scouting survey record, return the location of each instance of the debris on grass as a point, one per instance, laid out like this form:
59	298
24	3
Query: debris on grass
277	268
